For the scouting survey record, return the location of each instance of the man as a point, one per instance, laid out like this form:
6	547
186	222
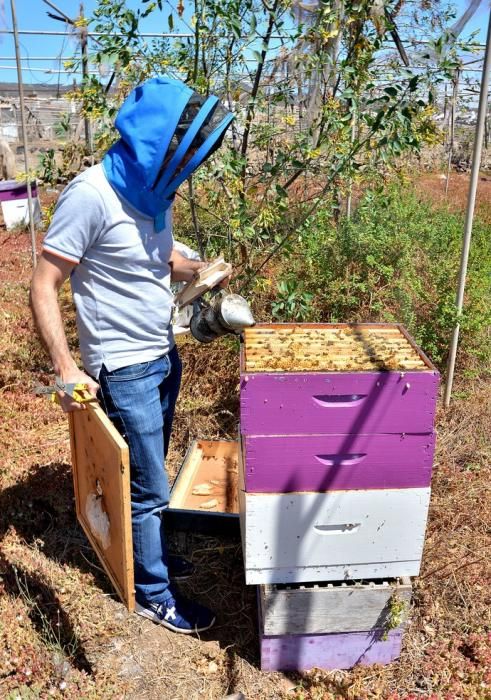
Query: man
112	235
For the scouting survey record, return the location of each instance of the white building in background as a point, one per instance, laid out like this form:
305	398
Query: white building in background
45	104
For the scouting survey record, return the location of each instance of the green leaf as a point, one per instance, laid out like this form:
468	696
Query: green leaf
378	120
236	27
170	22
346	94
392	91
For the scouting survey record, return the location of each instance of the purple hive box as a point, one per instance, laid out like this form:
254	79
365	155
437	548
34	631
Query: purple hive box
14	203
11	189
302	652
332	429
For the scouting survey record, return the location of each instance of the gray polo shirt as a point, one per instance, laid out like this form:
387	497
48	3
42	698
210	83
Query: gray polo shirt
121	282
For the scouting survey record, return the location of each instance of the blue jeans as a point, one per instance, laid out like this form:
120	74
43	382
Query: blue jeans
140	400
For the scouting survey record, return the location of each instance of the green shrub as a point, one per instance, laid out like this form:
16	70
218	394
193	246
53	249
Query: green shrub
397	260
292	302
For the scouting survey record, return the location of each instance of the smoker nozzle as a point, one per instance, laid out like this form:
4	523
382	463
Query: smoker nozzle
226	313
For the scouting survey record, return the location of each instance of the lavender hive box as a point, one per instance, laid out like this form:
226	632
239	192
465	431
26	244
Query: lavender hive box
337	462
337	402
336	407
335	379
11	190
329	651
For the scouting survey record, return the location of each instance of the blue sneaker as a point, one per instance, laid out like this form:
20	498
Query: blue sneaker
179	568
178	614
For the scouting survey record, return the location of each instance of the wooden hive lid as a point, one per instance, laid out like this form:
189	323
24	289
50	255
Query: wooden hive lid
331	348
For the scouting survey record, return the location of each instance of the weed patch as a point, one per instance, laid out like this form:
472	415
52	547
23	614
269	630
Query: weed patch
396	261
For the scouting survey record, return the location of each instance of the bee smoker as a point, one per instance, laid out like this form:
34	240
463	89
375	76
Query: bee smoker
225	313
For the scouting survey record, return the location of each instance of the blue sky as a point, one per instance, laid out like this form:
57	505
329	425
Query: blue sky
31	15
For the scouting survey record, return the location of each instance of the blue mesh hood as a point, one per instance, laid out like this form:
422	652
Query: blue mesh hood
166	132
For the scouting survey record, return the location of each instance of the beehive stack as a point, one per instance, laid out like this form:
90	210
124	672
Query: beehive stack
337	448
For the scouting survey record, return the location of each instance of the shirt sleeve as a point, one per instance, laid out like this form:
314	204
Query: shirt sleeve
77	221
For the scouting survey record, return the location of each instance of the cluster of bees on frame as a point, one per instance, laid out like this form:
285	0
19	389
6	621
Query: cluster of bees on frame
328	349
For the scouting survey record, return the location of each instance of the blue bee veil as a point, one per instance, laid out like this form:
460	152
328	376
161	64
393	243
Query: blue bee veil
166	132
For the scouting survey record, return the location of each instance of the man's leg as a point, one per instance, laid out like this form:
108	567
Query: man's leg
132	398
169	391
140	400
179	568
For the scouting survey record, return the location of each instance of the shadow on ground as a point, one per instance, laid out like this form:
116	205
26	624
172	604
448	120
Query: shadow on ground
41	510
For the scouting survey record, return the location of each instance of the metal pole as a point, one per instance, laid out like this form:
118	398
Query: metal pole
85	72
24	134
455	93
471	201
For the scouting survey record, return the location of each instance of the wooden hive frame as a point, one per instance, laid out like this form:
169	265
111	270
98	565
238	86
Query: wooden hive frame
317	347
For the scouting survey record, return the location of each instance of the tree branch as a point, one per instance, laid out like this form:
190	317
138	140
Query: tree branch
255	86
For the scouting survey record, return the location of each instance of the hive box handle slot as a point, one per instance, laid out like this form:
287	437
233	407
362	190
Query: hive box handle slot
343	460
343	529
339	400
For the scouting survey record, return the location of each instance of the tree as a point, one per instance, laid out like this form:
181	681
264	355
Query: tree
306	84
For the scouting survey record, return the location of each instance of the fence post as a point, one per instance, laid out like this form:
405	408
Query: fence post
24	134
85	73
471	202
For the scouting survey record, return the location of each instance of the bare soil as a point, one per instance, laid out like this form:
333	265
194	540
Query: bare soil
64	634
432	186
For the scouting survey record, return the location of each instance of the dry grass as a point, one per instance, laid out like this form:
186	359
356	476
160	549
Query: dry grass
63	633
432	186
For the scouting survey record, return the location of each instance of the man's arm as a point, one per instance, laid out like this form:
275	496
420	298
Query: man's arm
50	273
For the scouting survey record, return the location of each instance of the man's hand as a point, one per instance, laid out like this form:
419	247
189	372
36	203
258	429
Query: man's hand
183	269
76	376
